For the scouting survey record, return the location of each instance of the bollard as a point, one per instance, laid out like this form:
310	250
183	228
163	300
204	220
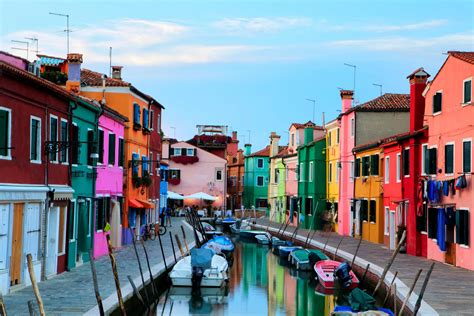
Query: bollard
140	267
172	247
34	284
96	285
153	286
117	282
162	252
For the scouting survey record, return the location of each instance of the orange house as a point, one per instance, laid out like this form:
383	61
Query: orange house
124	98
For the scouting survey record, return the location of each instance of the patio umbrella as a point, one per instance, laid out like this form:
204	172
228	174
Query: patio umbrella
201	196
175	196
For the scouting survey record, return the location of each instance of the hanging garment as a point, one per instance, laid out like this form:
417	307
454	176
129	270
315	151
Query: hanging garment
419	201
461	182
450	216
452	186
441	233
425	189
446	188
433	191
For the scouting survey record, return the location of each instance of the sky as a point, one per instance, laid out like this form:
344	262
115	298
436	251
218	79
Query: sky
250	65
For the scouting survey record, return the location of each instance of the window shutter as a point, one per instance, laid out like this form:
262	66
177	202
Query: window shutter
151	120
75	144
111	149
101	146
426	169
90	140
145	118
466	227
459	221
183	151
448	159
135	159
136	113
432	223
466	156
467	91
3	133
432	162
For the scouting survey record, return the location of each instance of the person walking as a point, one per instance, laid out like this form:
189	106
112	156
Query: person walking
168	217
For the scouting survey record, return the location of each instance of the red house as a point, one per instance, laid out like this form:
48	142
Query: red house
155	153
403	208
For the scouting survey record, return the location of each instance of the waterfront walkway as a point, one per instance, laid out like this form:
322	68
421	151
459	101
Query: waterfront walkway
450	289
72	293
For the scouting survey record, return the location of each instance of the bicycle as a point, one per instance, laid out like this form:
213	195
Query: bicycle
149	231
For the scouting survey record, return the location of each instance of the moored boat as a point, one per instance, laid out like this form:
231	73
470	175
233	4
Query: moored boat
284	251
250	234
300	258
332	274
263	239
220	244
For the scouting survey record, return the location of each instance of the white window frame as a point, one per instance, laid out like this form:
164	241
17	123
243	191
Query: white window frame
74	226
463	209
263	163
351	172
464	103
399	169
352	127
263	181
89	229
387	169
222	174
118	151
368	215
67	139
330	172
174	151
337	171
36	161
432	105
192	152
338	136
108	147
423	167
53	140
87	155
454	158
403	164
9	141
311	167
462	152
361	165
300	175
386	230
103	147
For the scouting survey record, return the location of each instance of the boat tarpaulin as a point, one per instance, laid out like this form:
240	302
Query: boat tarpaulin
202	258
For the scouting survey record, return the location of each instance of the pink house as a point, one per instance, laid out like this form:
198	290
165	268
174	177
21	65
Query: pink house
109	182
193	170
447	159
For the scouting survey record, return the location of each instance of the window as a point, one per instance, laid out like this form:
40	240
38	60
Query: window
387	169
365	166
219	176
301	170
260	181
145	118
364	210
190	152
5	133
150	160
260	163
151	120
35	139
135	160
432	160
337	167
352	127
103	213
466	156
276	176
373	211
292	139
357	168
337	136
64	140
386	221
310	176
175	152
121	156
329	139
53	136
399	178
421	224
308	206
374	165
175	174
90	146
432	223
406	162
101	147
75	144
158	123
467	91
424	159
330	173
449	159
136	114
111	149
144	166
462	227
437	102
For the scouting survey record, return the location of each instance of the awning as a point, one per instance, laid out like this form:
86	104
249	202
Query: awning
175	196
134	203
201	196
146	204
62	192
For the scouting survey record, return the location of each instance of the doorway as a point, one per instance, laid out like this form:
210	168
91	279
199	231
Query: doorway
52	242
17	244
392	229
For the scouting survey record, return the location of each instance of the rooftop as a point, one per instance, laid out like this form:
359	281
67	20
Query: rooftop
464	56
388	102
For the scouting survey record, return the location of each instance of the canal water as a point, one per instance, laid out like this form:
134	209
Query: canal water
260	284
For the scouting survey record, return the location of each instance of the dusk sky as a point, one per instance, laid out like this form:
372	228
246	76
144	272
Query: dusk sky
250	65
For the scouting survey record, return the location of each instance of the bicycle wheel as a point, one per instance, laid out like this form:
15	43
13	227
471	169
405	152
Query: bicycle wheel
162	230
152	233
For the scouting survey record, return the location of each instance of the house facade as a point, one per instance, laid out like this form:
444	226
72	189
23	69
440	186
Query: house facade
333	167
277	180
256	176
235	180
447	161
154	157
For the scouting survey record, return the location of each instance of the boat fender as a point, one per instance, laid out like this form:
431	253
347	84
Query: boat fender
342	274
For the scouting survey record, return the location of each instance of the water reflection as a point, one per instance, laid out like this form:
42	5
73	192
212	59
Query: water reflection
259	285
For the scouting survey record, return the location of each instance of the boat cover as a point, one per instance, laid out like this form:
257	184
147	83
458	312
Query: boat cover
201	257
302	255
361	301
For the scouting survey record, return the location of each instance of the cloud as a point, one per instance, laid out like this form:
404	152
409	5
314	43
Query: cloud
405	27
260	24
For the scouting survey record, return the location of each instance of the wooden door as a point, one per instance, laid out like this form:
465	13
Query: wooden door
450	257
17	244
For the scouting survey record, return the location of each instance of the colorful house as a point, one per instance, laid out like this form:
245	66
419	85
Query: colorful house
256	173
277	174
154	157
235	180
369	217
193	170
109	181
447	160
35	187
333	166
312	180
164	174
363	124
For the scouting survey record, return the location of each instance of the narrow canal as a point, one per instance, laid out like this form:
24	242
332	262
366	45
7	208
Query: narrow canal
260	284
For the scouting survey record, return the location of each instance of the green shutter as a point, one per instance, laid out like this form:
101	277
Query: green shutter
3	133
466	156
448	158
467	91
34	140
466	227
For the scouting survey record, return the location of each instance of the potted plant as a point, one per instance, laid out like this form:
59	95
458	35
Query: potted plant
136	181
146	179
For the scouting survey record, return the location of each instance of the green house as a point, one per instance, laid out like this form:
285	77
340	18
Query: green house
256	171
83	151
312	180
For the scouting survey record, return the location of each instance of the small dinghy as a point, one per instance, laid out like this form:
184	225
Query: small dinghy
250	234
202	268
332	274
209	230
229	221
220	244
278	242
360	303
300	258
284	251
263	239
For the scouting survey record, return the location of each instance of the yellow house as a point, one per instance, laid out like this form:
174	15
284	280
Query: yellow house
369	215
332	167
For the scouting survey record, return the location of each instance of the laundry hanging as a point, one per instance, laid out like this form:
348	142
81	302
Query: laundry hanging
441	234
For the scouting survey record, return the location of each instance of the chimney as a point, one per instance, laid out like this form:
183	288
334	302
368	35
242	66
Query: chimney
74	62
417	80
117	72
234	135
274	140
308	134
248	149
346	96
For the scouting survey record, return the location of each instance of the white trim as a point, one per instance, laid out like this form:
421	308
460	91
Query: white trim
67	139
463	103
74	227
108	149
462	152
63	246
454	157
387	170
310	171
259	159
75	164
87	151
403	163
103	143
57	137
9	141
118	150
423	167
222	174
89	229
36	161
398	168
386	226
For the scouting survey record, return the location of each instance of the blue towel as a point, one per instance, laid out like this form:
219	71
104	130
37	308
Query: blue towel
441	235
446	188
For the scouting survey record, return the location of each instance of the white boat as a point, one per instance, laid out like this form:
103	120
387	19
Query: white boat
215	276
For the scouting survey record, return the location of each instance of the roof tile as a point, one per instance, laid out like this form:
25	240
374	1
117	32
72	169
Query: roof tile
464	56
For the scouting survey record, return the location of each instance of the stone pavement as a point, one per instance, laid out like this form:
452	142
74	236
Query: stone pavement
72	293
450	289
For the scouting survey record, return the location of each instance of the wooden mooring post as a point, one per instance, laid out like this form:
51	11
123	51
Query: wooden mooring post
409	292
34	284
31	308
184	239
390	262
136	292
116	278
3	309
423	288
152	280
140	267
389	289
172	247
162	252
357	250
395	299
337	248
179	245
96	284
